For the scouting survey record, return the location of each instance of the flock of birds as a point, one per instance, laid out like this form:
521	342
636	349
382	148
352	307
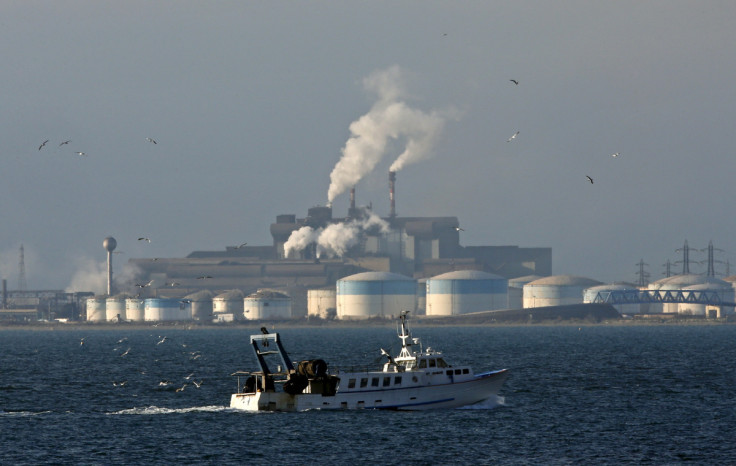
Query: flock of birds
164	384
83	154
514	136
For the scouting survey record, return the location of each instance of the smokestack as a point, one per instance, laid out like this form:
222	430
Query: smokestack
391	196
5	294
352	198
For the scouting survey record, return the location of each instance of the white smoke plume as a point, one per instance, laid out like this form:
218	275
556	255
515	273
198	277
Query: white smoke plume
388	119
90	276
335	239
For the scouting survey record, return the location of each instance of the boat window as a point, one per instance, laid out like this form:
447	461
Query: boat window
397	380
432	363
466	371
423	364
458	371
351	383
386	381
449	373
363	383
441	362
374	382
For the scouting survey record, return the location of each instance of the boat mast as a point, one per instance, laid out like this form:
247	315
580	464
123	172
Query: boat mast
405	335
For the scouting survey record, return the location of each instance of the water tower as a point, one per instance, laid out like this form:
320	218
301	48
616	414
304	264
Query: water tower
109	244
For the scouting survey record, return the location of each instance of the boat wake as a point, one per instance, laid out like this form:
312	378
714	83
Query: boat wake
153	410
490	403
21	413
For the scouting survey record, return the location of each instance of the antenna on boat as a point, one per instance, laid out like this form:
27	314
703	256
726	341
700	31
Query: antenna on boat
405	335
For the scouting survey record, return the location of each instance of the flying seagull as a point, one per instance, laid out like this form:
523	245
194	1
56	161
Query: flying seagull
514	81
589	179
81	153
42	144
151	140
204	277
513	137
144	285
241	246
143	238
459	229
615	155
65	142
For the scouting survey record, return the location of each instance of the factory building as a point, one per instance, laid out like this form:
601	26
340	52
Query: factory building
375	294
466	291
556	290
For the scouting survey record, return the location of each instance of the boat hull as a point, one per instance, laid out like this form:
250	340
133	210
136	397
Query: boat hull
480	388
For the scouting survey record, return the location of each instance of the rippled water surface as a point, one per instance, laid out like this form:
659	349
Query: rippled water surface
596	394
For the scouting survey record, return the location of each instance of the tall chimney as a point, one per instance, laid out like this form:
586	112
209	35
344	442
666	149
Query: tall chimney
109	244
391	196
5	294
352	198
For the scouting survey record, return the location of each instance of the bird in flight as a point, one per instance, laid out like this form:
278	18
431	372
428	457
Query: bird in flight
144	285
615	155
65	142
42	144
204	277
143	238
151	140
589	179
514	81
241	246
458	229
513	137
81	153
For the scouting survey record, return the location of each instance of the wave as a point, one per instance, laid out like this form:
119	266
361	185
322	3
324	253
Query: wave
22	413
490	403
152	410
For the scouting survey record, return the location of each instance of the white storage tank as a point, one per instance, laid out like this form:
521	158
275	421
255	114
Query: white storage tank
322	303
115	308
96	309
629	289
267	305
201	304
687	282
228	303
166	309
466	291
375	294
135	309
713	286
516	290
556	290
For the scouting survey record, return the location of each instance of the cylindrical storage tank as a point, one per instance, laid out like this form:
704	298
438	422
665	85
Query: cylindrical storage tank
322	303
713	286
267	305
421	296
678	283
375	294
115	308
590	294
516	290
96	309
166	309
230	302
556	290
135	309
201	304
466	291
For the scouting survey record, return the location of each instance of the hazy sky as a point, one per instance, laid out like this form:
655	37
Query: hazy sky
251	104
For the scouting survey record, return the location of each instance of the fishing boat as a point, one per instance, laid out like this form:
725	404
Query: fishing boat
412	380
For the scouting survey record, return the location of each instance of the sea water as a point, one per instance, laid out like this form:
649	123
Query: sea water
661	394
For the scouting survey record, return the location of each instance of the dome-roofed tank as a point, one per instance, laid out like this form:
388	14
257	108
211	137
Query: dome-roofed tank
135	309
516	290
228	306
375	294
685	282
166	309
465	291
267	304
201	304
556	290
322	303
115	308
628	289
96	309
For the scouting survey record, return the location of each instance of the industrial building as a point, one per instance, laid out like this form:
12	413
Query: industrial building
416	247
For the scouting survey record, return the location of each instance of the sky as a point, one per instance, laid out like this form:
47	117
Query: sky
253	105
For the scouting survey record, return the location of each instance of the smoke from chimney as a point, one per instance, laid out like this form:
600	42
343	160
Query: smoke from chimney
391	192
388	119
